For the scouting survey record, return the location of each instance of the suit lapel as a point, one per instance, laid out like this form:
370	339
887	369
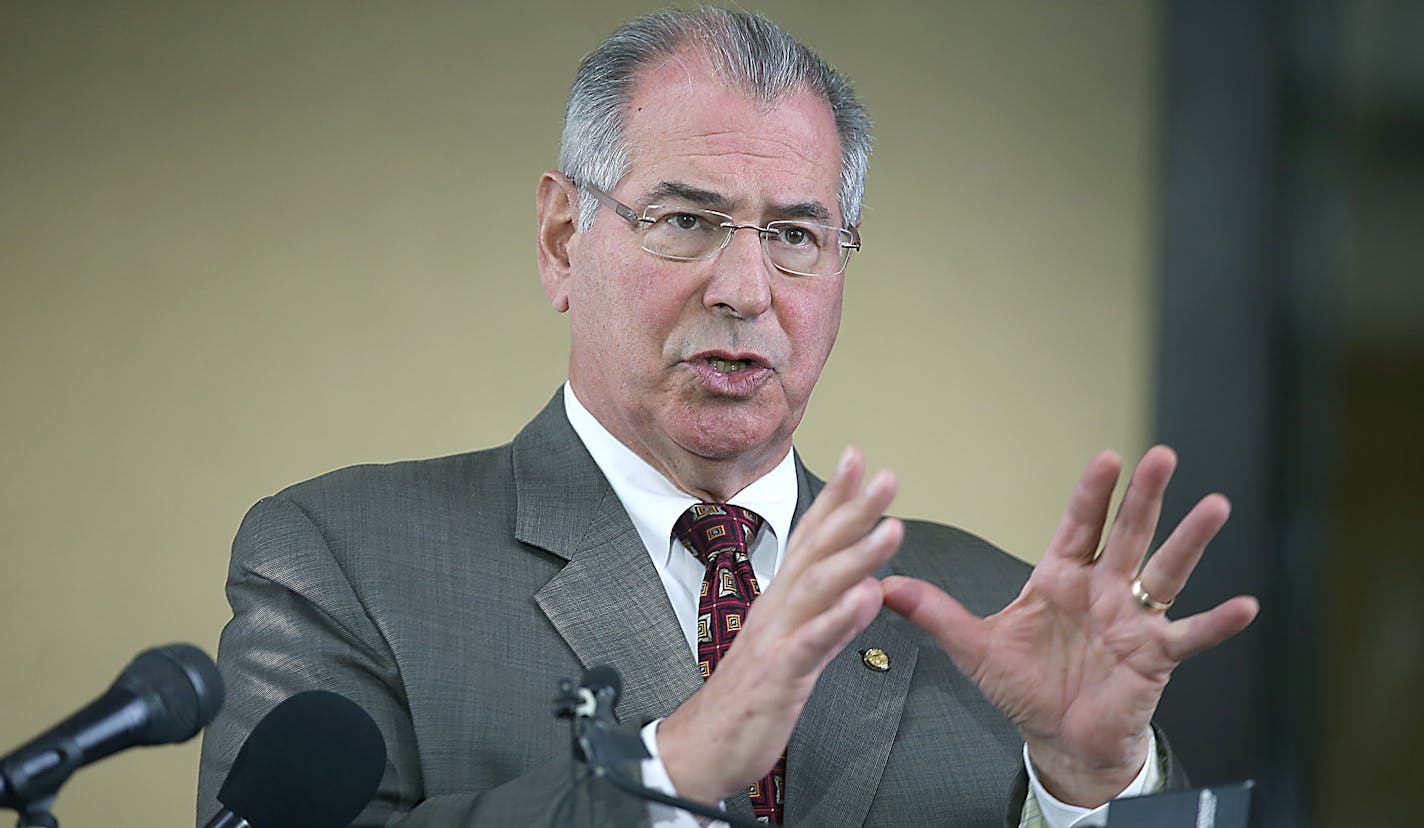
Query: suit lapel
842	740
607	602
609	605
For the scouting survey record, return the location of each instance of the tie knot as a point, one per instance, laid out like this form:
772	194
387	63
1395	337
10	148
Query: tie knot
709	529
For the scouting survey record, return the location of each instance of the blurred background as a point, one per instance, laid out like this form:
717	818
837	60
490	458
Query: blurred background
244	244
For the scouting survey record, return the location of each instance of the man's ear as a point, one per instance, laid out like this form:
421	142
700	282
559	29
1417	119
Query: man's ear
556	202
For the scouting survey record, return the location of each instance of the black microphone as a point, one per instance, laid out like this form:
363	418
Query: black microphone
313	762
597	739
167	694
599	691
599	742
593	697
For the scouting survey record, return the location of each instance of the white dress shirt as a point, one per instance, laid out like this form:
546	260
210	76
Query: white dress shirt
654	504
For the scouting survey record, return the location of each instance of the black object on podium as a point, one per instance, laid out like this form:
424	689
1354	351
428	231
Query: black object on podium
1224	806
313	761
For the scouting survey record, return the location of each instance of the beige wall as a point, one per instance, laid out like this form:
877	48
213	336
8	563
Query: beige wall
243	244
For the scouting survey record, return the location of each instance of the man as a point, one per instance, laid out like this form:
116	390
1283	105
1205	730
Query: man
697	236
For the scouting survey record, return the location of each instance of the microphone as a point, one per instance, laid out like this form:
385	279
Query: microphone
593	697
598	742
597	739
314	761
598	692
167	694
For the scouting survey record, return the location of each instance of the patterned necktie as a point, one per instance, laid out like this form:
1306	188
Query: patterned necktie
719	534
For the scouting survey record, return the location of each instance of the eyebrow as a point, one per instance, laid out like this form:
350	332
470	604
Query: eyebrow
814	210
697	196
708	199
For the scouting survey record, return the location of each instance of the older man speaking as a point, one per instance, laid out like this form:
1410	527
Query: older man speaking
786	649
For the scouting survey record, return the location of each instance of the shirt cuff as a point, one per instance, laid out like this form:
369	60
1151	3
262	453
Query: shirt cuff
655	776
1058	814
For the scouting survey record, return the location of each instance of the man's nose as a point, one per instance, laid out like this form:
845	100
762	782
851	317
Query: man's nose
740	282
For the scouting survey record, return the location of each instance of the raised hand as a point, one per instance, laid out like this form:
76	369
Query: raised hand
1079	660
731	732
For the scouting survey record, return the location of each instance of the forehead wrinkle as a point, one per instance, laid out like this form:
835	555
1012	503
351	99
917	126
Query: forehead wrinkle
719	138
802	167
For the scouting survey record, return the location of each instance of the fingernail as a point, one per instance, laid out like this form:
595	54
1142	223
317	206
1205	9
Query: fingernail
878	483
844	461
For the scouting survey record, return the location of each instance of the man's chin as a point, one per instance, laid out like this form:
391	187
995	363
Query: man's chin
728	436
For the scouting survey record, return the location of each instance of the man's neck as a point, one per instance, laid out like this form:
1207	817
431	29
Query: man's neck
708	479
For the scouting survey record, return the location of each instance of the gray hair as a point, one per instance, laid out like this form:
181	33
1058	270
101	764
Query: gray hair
747	51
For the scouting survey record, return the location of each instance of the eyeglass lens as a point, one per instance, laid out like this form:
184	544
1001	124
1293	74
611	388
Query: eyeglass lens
800	247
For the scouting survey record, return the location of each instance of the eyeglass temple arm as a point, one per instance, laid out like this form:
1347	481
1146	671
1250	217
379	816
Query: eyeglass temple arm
612	203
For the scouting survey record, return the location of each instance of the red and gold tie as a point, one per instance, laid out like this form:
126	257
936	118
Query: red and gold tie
719	534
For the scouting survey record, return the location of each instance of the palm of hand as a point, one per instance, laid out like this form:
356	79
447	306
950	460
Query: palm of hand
1076	661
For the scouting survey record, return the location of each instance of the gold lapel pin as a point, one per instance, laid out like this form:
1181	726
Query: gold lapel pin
876	659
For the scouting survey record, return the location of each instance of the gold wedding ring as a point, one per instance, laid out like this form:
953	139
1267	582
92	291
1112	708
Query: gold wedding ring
1147	600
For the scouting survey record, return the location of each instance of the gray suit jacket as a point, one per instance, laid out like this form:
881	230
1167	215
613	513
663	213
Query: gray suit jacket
447	597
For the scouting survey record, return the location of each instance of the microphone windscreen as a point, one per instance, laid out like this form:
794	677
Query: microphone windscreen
181	688
601	676
313	762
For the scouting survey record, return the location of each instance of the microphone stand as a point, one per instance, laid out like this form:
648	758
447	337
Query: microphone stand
34	783
36	814
599	743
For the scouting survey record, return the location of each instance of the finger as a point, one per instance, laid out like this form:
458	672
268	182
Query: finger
821	585
1136	520
840	527
959	632
843	485
1081	527
1166	572
850	521
817	642
1188	636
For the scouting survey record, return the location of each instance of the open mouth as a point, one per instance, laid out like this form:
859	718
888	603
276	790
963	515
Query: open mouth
728	366
726	375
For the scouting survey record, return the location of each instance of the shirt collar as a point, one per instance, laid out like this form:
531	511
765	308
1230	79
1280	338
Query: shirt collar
654	503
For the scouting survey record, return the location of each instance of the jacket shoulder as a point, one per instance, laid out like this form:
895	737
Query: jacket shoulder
381	512
433	476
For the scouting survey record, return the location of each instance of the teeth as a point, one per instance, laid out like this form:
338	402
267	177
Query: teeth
727	365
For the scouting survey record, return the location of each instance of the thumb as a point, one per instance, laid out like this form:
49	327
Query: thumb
960	632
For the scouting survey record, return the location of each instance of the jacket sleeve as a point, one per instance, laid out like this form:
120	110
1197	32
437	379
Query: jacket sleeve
1172	777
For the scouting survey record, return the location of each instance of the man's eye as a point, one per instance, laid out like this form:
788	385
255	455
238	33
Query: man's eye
795	236
684	221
